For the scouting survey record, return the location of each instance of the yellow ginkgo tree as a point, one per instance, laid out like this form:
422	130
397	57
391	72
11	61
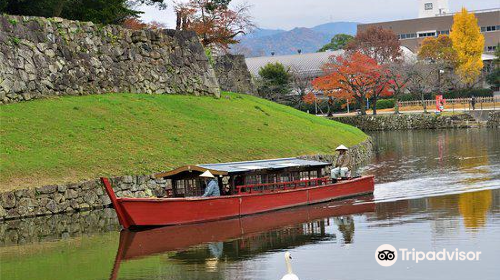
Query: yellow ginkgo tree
468	43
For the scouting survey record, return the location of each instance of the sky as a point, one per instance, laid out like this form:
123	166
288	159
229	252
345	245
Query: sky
287	14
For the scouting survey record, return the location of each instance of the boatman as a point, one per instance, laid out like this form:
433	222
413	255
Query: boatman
341	168
212	188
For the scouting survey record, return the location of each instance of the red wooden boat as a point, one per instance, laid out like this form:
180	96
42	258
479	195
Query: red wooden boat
247	188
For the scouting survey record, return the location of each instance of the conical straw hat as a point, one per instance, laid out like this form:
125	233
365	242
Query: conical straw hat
341	147
207	174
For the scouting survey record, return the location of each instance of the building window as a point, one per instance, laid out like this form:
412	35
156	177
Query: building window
490	48
426	34
407	36
443	32
428	6
490	28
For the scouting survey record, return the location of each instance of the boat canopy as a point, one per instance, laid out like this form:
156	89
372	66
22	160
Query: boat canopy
224	169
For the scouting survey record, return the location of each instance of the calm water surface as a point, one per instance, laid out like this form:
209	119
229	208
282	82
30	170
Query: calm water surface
435	190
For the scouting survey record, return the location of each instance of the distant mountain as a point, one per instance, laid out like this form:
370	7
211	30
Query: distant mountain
262	32
334	28
262	42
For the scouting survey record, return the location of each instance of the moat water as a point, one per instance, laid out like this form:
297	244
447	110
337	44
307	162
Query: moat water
435	190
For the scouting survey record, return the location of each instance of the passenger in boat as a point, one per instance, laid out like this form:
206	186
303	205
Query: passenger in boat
212	188
341	168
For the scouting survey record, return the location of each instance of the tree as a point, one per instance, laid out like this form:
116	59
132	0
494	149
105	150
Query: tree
352	76
382	45
422	80
300	85
380	87
97	11
399	74
213	20
338	42
438	49
468	43
275	81
378	43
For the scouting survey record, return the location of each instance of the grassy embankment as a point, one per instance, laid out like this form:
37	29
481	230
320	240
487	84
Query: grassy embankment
73	138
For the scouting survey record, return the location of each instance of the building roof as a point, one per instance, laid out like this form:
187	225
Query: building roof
279	163
307	64
488	57
244	166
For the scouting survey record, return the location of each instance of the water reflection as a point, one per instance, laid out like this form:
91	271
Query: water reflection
413	164
432	192
240	239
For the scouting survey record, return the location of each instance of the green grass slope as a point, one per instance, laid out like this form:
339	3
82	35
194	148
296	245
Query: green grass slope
72	138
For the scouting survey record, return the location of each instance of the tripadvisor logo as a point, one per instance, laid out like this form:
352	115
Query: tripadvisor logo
387	255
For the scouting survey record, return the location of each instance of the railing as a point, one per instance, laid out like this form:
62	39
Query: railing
474	12
454	101
281	186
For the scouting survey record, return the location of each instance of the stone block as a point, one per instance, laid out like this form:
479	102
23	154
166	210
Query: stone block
46	189
8	200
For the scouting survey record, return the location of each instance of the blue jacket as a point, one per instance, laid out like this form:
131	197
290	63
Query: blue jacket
212	189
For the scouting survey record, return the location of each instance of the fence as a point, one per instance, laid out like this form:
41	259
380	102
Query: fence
457	103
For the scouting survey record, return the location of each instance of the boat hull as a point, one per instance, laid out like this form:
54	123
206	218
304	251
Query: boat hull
142	212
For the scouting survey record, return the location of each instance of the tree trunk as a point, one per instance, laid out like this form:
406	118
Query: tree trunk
423	103
362	106
330	111
396	105
178	21
374	105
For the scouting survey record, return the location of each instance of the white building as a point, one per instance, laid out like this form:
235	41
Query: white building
432	8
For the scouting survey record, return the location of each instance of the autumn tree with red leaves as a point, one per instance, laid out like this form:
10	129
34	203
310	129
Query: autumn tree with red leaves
380	44
310	98
213	20
352	76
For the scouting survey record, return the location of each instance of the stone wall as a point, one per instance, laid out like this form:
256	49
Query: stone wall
49	57
233	75
83	196
76	197
493	119
408	121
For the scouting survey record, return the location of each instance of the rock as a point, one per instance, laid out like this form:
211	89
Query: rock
70	194
84	207
3	213
47	189
90	197
52	206
105	200
8	200
28	202
61	188
128	179
12	214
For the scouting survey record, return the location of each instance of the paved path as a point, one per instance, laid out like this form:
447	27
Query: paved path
478	113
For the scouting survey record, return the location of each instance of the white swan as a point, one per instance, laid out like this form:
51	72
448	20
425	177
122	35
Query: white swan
289	275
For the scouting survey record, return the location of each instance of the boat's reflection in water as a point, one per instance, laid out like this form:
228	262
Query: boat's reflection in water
244	237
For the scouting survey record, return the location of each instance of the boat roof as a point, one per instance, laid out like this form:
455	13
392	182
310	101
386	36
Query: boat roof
246	166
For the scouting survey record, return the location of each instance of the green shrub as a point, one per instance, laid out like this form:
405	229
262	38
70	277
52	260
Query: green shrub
465	93
385	103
